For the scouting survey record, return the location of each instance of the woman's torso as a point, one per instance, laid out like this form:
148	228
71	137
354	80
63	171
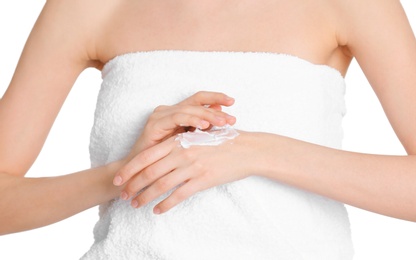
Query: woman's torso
227	220
248	219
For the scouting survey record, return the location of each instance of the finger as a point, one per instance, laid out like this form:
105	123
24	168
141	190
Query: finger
149	175
143	160
182	193
198	117
171	122
208	98
160	187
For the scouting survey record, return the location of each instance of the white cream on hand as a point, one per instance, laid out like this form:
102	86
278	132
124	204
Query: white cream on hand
212	137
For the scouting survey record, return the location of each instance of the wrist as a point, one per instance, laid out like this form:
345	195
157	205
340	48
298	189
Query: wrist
255	158
267	154
287	160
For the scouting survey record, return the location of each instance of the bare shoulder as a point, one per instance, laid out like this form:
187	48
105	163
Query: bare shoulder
369	17
91	8
83	19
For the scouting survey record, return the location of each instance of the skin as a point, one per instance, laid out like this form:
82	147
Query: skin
327	32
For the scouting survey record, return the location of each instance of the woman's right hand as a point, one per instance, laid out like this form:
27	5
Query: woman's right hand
201	110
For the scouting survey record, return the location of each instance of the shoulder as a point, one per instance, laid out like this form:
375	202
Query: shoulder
83	4
84	20
362	18
85	14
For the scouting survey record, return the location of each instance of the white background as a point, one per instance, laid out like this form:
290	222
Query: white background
66	150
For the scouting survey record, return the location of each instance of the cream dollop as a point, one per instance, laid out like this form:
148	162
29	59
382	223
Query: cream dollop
214	136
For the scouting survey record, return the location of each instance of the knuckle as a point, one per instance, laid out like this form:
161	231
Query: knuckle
159	108
141	199
162	185
186	109
199	94
199	167
215	112
131	188
147	175
188	154
146	156
126	172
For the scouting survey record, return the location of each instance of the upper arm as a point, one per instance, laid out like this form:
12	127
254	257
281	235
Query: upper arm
56	52
381	39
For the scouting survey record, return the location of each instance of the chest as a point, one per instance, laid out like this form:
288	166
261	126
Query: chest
299	27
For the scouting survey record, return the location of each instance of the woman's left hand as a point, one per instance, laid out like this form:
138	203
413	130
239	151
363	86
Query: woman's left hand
168	165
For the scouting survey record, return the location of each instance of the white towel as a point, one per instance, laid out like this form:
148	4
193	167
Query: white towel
254	218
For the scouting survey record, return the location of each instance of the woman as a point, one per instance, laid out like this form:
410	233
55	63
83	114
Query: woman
338	63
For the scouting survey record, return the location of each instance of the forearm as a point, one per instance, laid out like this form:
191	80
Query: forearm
378	183
28	203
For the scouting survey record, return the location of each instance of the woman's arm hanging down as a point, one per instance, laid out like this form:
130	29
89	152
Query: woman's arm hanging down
58	49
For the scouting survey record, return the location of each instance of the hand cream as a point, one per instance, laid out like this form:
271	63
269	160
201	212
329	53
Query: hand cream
212	137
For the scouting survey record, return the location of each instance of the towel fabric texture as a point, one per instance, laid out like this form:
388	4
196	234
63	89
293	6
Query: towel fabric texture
254	218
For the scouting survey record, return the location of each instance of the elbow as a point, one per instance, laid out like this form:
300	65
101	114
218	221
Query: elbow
407	211
4	227
6	218
412	215
8	205
8	225
12	218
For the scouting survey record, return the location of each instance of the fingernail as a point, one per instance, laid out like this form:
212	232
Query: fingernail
134	204
124	196
117	180
229	98
156	210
